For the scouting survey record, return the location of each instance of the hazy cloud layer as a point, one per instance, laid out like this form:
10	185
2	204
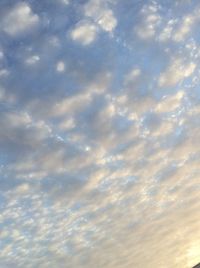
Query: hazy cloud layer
99	134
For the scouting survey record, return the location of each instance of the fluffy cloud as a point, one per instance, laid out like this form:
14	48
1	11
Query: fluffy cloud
32	60
176	72
154	26
60	66
19	19
151	19
170	103
99	140
85	33
97	15
184	29
101	14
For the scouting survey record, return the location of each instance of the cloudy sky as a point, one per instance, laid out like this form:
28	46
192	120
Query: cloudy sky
99	133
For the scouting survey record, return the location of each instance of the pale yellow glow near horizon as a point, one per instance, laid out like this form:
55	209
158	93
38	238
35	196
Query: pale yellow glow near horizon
193	254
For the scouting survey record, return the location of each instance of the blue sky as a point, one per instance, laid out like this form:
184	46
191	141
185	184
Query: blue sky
99	133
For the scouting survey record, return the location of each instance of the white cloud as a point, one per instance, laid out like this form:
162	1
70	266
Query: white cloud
133	76
60	67
67	124
1	55
4	72
32	60
107	21
23	188
166	32
84	33
170	103
70	105
176	72
19	19
99	152
101	14
150	20
184	29
97	16
177	30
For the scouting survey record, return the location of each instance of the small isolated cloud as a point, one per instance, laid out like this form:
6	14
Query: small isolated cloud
132	77
60	67
1	55
84	33
4	72
32	60
19	19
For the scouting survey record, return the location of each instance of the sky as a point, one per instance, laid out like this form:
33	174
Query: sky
99	133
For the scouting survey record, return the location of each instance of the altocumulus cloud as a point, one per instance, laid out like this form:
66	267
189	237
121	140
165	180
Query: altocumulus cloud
19	19
99	136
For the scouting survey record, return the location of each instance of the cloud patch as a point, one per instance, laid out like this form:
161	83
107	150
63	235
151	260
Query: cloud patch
176	72
84	33
99	134
19	19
